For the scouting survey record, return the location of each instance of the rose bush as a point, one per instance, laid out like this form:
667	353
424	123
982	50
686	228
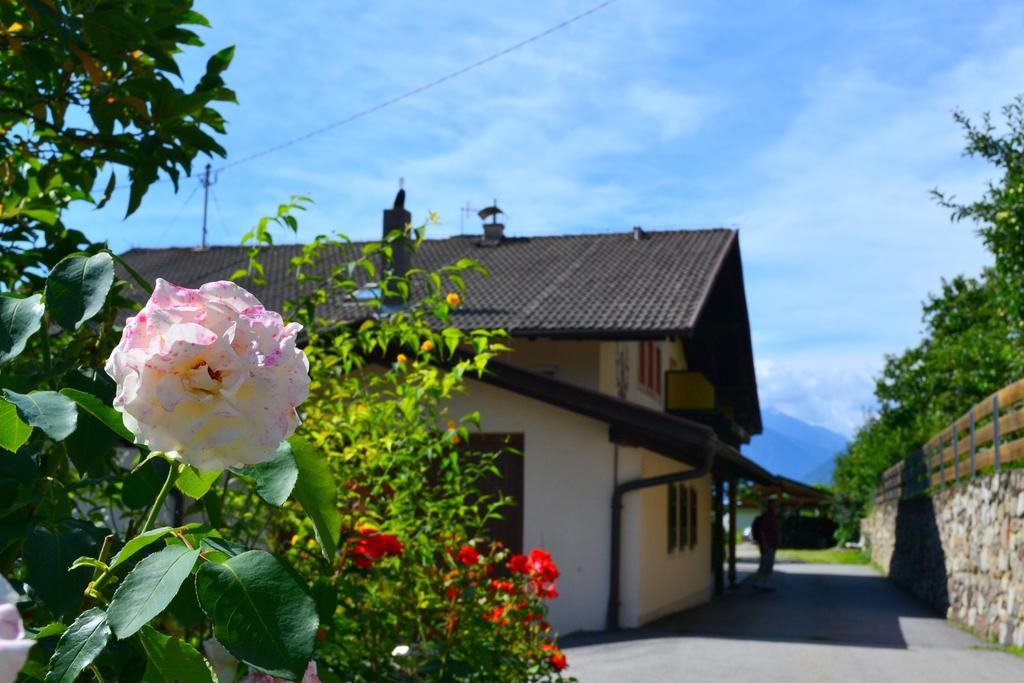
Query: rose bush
208	376
161	518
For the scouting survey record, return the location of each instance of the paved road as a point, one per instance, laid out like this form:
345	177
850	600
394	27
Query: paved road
825	623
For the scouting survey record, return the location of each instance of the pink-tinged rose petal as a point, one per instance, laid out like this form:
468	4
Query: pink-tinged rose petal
14	646
209	376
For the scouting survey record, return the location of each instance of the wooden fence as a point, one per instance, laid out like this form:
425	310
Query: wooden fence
989	435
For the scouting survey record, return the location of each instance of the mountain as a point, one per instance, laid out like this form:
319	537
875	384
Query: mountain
794	448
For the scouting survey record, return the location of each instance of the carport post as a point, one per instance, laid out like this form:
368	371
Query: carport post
732	532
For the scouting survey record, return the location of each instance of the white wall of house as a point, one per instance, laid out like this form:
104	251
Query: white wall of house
568	482
569	476
657	581
578	362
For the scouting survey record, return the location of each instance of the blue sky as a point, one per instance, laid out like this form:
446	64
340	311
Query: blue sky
815	128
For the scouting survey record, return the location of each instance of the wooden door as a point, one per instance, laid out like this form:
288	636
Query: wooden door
508	529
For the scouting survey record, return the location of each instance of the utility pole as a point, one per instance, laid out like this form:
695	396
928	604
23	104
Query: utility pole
206	200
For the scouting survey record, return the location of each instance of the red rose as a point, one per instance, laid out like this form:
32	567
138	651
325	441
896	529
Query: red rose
556	657
469	556
373	545
541	565
518	564
496	615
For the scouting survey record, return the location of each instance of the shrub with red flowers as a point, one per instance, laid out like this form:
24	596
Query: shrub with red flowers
415	590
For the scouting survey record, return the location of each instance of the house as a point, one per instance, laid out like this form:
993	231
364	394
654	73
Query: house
629	391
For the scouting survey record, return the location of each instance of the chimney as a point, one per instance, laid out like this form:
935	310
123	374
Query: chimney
638	233
494	232
397	219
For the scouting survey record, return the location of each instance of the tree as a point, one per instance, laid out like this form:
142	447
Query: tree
88	90
1000	212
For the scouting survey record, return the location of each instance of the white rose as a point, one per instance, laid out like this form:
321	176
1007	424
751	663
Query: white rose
14	646
209	376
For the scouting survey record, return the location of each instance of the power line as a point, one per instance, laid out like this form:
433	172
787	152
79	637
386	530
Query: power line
419	89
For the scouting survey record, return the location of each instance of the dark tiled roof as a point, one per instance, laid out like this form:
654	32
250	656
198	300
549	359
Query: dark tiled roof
597	285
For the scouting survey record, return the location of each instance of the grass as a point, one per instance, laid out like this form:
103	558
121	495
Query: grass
828	556
1011	649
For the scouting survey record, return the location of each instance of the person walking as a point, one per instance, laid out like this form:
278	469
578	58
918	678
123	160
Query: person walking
766	534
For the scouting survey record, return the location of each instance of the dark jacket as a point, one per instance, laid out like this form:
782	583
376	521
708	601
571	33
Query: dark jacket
768	530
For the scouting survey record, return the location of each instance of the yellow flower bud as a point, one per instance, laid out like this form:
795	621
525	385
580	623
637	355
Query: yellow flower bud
427	346
453	299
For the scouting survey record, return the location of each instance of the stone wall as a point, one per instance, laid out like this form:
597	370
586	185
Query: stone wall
961	551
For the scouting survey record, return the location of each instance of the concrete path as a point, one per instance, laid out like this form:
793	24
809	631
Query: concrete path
825	623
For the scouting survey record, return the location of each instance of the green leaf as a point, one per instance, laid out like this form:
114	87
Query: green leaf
54	628
260	612
137	543
79	646
13	432
77	287
172	660
19	320
101	411
149	588
275	479
194	483
317	492
219	549
48	557
56	415
141	486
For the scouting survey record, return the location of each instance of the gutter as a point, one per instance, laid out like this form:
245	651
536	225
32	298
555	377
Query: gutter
711	446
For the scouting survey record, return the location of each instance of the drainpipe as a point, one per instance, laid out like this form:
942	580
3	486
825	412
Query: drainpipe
612	621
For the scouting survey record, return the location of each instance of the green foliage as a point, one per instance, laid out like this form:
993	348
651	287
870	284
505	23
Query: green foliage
275	478
94	93
317	493
53	413
170	659
20	318
79	646
999	214
13	432
971	345
149	588
77	288
260	612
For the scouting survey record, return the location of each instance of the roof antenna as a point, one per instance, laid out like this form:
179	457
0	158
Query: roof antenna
490	212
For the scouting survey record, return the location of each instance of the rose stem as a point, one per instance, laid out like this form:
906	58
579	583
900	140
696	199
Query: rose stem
158	502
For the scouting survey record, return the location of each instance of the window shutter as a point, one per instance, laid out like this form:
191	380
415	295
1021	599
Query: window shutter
657	370
642	368
673	506
693	517
683	528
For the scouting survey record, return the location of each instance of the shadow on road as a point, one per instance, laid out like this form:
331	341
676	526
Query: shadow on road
826	604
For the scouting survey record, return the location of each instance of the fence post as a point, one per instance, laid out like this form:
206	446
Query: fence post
995	428
954	435
942	464
974	468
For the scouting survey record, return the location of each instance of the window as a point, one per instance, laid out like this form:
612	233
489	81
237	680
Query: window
673	506
650	367
683	510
